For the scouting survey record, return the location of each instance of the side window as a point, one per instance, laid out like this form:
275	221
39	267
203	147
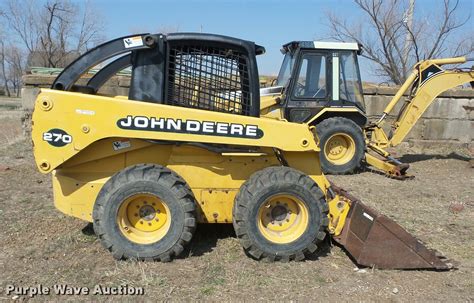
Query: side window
311	81
350	84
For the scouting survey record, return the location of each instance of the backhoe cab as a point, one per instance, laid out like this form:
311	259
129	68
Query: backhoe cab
319	84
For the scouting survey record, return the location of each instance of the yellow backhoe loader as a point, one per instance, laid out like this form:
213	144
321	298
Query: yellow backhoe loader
188	145
319	84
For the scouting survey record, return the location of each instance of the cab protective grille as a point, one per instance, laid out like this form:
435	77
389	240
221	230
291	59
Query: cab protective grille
209	78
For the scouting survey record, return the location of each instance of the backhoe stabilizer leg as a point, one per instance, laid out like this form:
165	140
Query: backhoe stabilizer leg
396	169
374	240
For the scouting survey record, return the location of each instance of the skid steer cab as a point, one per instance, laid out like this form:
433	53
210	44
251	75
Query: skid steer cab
319	84
188	146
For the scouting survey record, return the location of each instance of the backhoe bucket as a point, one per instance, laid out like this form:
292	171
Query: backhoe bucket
374	240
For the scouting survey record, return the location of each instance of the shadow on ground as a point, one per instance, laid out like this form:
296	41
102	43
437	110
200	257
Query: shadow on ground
412	158
206	237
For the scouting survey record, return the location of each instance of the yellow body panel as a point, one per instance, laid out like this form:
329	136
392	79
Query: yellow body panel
335	110
213	178
81	168
270	107
89	118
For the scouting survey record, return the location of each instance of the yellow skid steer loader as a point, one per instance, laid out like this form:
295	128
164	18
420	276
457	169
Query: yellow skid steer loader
188	146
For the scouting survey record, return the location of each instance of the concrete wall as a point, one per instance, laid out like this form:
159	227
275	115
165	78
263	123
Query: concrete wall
449	120
32	83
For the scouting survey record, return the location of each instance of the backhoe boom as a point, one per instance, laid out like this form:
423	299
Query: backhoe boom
427	81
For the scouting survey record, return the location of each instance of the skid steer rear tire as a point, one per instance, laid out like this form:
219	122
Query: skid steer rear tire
342	145
287	197
145	212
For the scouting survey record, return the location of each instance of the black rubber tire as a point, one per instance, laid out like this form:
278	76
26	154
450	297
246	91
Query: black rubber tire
255	191
330	126
150	179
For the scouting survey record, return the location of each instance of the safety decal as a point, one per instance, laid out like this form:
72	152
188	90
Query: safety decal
210	128
121	144
57	137
133	42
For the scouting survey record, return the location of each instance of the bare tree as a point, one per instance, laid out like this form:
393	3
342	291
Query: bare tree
12	66
4	68
394	37
49	34
55	32
21	19
16	63
90	29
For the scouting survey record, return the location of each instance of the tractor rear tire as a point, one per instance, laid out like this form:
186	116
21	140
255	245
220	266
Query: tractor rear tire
342	145
280	214
145	212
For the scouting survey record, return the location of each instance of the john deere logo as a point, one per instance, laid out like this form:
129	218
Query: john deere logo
191	127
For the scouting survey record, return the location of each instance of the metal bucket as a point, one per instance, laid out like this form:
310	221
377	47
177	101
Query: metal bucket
374	240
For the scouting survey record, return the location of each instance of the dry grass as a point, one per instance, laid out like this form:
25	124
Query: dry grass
10	122
10	128
40	245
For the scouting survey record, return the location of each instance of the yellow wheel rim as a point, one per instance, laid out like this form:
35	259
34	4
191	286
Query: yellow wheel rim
144	218
339	148
282	218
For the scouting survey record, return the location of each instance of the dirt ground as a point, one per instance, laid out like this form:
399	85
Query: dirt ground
39	245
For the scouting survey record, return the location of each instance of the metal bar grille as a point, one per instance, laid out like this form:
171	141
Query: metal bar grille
210	78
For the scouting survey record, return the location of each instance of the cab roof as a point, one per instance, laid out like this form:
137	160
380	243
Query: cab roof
326	45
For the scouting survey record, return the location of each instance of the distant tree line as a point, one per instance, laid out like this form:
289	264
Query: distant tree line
44	33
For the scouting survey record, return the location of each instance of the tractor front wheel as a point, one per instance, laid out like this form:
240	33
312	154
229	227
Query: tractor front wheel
342	145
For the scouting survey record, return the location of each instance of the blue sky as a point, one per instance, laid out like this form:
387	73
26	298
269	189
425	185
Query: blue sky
268	23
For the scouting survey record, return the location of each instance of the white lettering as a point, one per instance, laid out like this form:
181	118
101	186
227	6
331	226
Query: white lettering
128	123
170	123
31	291
251	130
207	127
160	123
9	289
222	128
236	129
192	126
176	125
141	122
118	290
61	289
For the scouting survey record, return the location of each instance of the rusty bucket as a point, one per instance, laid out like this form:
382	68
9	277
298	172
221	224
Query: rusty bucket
374	240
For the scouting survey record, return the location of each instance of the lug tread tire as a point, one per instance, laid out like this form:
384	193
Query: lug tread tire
145	173
340	124
247	199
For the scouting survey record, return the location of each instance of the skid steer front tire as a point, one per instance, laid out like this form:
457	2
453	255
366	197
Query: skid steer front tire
342	145
280	214
145	212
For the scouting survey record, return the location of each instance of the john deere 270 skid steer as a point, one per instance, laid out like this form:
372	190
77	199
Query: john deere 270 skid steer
188	146
319	84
